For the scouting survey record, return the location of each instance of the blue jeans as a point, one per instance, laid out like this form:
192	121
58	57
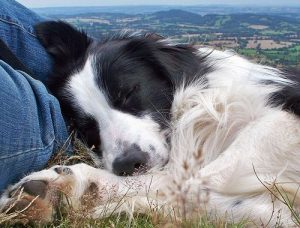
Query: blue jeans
32	127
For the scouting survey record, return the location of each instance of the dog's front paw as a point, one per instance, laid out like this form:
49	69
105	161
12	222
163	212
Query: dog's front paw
36	197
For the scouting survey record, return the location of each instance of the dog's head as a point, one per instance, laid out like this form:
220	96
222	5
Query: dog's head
118	92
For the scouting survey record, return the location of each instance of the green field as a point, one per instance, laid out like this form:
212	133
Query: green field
243	31
278	57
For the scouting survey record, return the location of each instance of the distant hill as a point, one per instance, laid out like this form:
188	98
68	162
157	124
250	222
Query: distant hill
198	9
178	16
231	20
272	37
177	22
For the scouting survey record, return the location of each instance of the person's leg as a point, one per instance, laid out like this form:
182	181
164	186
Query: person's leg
31	125
16	30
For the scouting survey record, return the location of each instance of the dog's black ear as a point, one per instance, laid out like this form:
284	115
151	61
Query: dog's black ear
181	62
62	41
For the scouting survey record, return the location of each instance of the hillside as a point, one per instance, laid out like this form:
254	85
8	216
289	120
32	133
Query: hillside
272	38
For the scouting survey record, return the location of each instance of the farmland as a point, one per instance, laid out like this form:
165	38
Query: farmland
270	36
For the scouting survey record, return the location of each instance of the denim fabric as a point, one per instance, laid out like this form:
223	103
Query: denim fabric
16	30
31	124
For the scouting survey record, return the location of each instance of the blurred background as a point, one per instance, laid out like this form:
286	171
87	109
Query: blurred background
266	31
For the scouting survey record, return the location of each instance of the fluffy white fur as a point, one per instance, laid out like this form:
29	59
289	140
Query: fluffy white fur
230	151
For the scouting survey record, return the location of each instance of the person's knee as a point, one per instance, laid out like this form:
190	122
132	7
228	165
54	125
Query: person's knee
31	124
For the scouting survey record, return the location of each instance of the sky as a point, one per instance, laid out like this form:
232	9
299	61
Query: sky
61	3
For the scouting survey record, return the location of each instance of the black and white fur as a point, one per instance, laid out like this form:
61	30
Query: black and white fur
188	121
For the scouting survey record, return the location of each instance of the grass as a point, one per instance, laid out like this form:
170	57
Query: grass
72	219
285	56
138	221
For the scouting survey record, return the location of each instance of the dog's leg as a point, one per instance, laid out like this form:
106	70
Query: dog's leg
265	152
264	159
84	188
266	148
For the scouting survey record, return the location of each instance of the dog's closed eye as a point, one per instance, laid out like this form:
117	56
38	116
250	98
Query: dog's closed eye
131	92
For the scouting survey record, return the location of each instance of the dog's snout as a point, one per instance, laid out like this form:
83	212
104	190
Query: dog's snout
132	160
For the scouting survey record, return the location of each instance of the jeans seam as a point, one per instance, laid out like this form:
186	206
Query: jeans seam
17	25
27	151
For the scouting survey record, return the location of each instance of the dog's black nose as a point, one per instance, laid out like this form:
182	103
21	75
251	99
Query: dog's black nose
132	160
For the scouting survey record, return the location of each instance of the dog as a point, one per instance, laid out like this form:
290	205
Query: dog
189	130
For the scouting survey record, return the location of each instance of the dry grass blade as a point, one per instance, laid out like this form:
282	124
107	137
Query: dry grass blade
13	216
81	153
282	196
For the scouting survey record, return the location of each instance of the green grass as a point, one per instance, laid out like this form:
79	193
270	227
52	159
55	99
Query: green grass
76	219
248	52
138	221
222	20
70	218
289	57
274	33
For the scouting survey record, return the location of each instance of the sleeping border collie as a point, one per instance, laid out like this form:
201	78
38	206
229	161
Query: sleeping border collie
181	128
